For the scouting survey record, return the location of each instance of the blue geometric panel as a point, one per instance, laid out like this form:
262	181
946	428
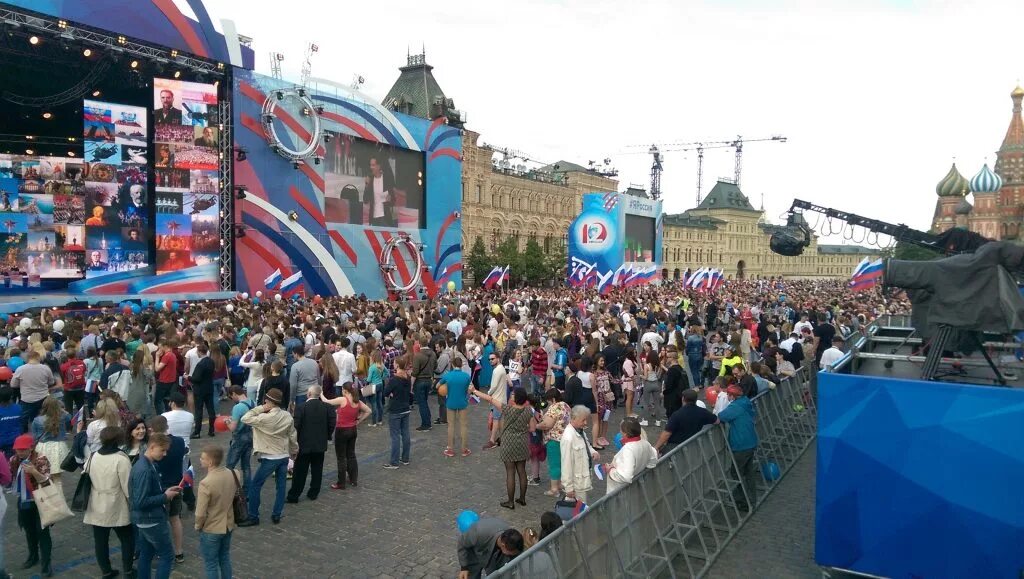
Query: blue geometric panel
919	479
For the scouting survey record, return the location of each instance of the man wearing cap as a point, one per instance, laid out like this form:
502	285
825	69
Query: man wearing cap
274	442
32	470
743	442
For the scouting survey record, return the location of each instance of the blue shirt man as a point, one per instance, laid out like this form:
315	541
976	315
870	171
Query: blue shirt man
739	415
458	387
484	376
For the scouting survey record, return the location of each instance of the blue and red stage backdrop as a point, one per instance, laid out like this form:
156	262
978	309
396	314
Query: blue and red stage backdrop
342	219
919	479
615	241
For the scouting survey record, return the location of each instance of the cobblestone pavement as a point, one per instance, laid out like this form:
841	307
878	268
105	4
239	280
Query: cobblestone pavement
398	523
778	540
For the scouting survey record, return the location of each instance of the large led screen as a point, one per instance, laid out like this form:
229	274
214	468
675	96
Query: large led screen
640	238
186	169
373	184
114	189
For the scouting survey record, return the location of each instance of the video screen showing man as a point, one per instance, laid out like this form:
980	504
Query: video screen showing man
206	138
378	193
96	262
167	114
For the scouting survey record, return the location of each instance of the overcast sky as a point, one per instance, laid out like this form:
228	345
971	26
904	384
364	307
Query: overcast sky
876	98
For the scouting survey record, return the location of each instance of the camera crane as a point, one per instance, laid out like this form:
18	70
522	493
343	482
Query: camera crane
796	235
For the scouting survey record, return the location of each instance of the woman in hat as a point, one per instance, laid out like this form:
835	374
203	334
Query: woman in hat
32	469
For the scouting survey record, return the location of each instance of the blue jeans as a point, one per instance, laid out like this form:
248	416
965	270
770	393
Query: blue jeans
268	467
398	426
156	541
421	390
239	451
696	365
216	552
376	403
218	389
29	411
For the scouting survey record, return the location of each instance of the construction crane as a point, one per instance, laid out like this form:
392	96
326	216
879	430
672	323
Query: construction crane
657	149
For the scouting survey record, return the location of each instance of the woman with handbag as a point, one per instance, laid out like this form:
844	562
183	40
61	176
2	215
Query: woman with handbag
32	471
107	471
50	431
517	421
350	412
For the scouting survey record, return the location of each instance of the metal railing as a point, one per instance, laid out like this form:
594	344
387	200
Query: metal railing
676	518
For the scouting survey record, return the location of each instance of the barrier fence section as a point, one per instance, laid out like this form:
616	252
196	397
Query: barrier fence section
675	518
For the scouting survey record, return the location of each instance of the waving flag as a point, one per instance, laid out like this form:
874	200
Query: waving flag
188	479
494	277
272	281
291	283
867	275
77	417
504	275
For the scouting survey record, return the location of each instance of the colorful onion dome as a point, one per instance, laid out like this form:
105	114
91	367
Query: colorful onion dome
964	208
953	184
986	181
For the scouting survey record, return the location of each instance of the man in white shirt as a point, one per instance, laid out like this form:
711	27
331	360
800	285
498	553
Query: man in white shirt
346	363
179	421
455	327
653	338
377	193
788	343
833	354
803	323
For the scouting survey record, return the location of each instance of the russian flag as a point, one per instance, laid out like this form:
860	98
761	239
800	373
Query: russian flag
493	278
505	275
273	280
77	417
188	479
291	283
867	276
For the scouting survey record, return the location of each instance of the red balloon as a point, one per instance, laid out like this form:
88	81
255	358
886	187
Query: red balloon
220	424
6	374
127	310
711	394
317	299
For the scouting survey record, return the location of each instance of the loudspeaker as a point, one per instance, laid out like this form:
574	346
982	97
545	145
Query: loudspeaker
106	304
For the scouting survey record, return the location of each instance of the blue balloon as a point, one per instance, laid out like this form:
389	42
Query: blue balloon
466	520
296	297
136	309
618	441
770	471
174	306
144	302
4	318
255	300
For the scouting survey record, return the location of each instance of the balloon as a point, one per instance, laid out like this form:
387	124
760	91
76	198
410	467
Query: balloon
259	294
220	424
255	300
317	299
711	393
277	297
58	325
618	441
174	306
245	295
136	309
495	309
451	286
126	309
466	520
6	374
771	472
230	308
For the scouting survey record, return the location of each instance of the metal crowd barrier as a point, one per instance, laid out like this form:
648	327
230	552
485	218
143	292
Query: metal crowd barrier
675	519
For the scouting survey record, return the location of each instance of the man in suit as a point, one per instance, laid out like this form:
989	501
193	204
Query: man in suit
379	193
167	114
314	422
215	516
95	263
202	389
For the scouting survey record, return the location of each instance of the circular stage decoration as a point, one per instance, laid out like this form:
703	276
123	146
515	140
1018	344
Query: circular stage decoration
275	99
387	262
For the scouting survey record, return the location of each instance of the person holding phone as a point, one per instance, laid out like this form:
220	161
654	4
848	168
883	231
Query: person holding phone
149	514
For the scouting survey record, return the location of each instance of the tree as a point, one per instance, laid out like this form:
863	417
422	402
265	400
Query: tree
911	252
556	263
533	263
478	262
508	254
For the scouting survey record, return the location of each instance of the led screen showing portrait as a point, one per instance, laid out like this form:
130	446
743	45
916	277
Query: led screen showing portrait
373	184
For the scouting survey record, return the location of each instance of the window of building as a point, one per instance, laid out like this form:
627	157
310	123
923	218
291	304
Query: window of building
479	193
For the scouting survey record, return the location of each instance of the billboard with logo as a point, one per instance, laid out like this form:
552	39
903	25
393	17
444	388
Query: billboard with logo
615	241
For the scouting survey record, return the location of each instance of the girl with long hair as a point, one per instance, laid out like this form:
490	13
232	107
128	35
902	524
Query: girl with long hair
604	398
350	412
50	431
253	361
142	384
105	414
328	375
375	379
136	439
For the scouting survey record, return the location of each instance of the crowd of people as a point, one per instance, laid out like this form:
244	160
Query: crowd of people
123	396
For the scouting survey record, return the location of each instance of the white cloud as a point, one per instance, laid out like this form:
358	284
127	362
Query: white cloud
876	98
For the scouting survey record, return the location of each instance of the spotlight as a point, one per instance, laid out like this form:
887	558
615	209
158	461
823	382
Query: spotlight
177	74
301	92
240	191
47	115
135	64
305	111
30	152
71	139
174	53
316	160
71	153
319	109
220	66
279	95
87	52
327	137
29	137
62	24
241	154
296	164
96	93
33	40
293	215
122	40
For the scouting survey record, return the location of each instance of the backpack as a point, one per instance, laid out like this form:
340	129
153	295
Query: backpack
120	382
74	378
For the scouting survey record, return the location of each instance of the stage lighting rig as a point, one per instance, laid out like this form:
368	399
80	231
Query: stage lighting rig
316	160
241	153
174	53
293	215
87	52
240	191
240	230
326	137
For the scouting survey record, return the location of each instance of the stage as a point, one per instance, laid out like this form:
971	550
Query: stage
18	303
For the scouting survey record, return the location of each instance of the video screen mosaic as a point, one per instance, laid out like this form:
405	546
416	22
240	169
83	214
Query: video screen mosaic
114	189
186	169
